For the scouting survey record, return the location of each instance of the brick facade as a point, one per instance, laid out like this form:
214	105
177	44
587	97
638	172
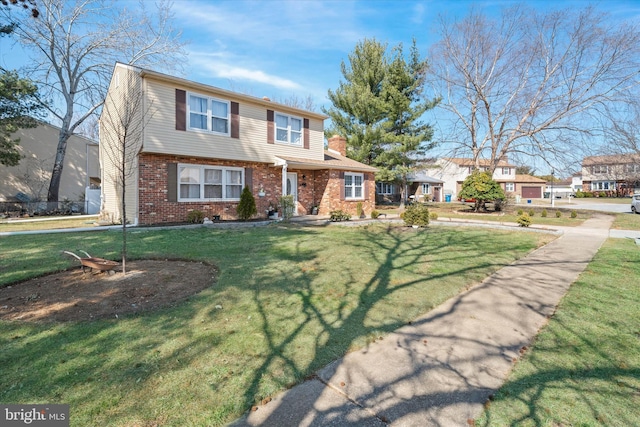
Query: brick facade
315	188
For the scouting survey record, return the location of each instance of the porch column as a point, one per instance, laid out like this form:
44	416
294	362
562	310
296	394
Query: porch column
284	179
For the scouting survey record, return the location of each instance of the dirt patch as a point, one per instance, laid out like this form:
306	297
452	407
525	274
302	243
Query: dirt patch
75	295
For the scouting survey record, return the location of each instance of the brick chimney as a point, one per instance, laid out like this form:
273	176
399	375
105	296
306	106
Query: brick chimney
338	144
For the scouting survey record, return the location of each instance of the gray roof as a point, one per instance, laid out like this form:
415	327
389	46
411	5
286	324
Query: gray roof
421	176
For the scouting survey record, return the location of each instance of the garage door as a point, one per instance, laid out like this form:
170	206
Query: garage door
531	192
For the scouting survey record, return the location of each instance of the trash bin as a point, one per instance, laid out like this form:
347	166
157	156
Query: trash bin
529	201
447	198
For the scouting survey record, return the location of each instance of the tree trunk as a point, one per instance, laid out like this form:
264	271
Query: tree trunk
58	164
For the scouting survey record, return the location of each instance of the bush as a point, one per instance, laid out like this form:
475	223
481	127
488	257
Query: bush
524	220
433	216
520	212
558	214
339	215
574	214
359	210
247	206
544	213
416	215
375	214
287	206
195	216
531	212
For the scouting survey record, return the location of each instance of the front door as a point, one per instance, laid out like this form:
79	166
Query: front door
292	189
436	194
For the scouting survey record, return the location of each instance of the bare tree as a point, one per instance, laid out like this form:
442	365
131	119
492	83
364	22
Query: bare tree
307	103
531	83
122	123
75	45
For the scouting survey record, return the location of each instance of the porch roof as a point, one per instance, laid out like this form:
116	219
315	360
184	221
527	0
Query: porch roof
331	161
421	176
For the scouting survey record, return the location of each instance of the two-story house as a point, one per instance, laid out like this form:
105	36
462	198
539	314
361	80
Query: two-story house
199	146
617	174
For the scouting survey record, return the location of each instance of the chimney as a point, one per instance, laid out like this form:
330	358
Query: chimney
338	144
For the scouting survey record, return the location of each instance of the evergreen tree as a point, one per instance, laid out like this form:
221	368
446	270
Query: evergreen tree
18	106
379	107
358	107
247	206
482	188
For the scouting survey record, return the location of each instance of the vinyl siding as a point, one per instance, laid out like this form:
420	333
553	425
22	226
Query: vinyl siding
162	138
110	147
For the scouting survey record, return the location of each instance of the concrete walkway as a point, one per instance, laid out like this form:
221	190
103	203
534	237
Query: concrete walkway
439	370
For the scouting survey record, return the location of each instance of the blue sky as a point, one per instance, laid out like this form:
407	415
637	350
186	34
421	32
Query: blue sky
279	48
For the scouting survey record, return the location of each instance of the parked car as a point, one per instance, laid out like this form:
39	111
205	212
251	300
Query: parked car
635	204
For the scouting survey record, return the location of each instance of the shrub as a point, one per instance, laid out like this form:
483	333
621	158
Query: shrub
602	194
558	214
524	220
416	215
287	206
339	215
574	214
375	214
247	206
544	213
520	212
531	212
359	211
433	216
195	216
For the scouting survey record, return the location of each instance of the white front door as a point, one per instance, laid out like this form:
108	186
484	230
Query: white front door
292	189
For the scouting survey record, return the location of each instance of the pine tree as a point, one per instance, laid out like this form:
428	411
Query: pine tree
379	109
247	206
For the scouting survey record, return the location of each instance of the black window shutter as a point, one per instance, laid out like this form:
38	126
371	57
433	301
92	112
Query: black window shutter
235	120
305	136
181	109
172	182
248	178
270	127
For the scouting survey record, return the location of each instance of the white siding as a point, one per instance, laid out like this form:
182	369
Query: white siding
162	137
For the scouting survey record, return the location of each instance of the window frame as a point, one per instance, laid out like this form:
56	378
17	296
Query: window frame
353	185
288	129
427	186
508	171
385	188
224	183
209	114
510	184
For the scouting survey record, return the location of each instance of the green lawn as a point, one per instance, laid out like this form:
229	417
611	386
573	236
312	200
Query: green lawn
584	367
293	299
48	223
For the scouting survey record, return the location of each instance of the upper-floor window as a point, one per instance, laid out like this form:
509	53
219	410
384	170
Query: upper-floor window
288	129
632	168
208	114
506	171
353	186
209	182
599	169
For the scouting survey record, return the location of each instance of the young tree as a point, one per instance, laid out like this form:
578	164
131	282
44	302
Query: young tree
122	123
75	46
482	188
531	83
18	108
247	206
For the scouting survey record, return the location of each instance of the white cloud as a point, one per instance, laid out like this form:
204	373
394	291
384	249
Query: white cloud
220	65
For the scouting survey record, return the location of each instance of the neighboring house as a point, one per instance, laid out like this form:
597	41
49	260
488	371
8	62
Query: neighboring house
576	182
29	181
425	188
453	171
560	189
201	145
387	192
526	187
617	174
